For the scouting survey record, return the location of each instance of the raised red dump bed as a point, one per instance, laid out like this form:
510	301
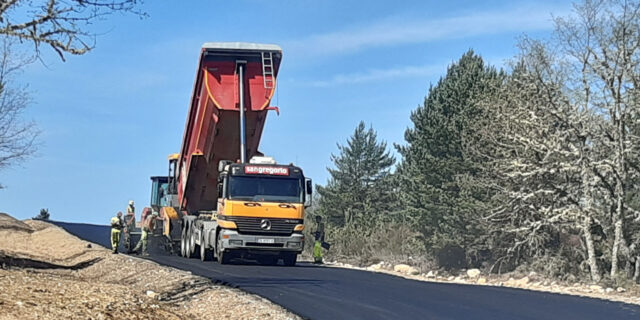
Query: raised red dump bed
212	131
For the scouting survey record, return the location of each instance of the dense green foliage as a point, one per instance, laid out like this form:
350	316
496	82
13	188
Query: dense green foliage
536	167
360	200
433	175
360	189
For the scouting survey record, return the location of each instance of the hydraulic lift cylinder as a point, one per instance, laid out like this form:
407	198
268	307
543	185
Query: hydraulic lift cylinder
243	137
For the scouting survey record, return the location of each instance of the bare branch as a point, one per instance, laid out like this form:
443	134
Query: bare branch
61	24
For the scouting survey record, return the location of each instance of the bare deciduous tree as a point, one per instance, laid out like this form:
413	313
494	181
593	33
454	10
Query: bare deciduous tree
603	44
537	154
17	137
61	24
566	148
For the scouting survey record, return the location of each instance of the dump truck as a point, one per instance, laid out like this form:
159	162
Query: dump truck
222	198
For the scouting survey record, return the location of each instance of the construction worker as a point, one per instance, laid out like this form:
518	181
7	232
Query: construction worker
129	224
147	227
131	209
116	228
319	235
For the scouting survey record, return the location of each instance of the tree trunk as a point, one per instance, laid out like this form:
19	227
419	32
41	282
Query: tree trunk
591	253
636	274
617	242
621	177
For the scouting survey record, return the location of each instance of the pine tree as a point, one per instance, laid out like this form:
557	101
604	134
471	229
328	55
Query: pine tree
44	215
360	188
433	173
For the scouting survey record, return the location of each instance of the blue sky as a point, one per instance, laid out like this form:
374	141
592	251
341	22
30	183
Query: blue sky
110	118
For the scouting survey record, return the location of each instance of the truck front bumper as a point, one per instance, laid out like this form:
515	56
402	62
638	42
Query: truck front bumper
232	240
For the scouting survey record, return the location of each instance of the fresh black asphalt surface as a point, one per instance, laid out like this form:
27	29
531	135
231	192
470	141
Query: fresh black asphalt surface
333	293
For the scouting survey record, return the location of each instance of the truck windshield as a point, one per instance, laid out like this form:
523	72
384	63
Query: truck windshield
267	189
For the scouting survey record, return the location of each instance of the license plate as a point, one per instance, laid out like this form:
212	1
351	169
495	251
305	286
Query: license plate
265	241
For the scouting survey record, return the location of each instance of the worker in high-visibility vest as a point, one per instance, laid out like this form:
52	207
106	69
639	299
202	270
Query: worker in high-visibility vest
319	235
129	225
131	209
116	228
147	227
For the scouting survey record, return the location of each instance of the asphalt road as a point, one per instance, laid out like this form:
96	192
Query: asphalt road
332	293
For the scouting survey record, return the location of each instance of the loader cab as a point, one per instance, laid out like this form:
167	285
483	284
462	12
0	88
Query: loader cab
172	176
159	190
164	188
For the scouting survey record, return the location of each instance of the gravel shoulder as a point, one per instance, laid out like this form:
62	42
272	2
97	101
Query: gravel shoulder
46	273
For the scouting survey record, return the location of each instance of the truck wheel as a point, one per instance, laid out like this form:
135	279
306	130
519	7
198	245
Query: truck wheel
187	240
204	253
289	259
183	242
193	247
223	258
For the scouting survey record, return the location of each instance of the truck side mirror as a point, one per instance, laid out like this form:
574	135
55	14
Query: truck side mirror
219	190
308	194
222	164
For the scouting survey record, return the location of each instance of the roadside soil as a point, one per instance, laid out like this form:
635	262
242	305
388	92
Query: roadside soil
531	281
46	273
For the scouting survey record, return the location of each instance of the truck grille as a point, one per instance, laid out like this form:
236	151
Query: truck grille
250	225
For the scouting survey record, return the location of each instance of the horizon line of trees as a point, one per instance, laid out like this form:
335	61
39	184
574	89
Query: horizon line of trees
536	166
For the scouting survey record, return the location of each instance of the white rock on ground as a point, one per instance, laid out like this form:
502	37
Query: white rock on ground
472	273
151	294
596	287
377	266
406	269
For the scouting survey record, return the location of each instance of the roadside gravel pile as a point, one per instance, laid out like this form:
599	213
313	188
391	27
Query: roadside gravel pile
47	273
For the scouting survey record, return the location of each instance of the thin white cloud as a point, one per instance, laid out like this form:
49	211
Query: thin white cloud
374	75
380	75
398	31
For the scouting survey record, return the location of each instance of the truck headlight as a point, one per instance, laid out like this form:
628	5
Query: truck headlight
299	227
293	244
227	224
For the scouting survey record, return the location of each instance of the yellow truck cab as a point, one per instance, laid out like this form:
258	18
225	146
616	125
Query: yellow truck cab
261	210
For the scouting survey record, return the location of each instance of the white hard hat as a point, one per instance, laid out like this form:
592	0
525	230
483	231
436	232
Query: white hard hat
130	201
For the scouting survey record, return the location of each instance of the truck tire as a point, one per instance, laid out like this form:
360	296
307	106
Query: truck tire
289	259
204	252
193	247
223	258
188	243
183	242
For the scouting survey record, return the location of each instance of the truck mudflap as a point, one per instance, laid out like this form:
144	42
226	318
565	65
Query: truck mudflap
232	240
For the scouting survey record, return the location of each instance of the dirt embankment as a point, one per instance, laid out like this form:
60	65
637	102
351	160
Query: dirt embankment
46	273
